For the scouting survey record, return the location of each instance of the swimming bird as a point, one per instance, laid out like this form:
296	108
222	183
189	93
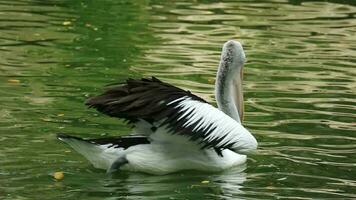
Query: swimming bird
173	129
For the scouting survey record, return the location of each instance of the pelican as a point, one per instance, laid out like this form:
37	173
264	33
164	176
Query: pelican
173	129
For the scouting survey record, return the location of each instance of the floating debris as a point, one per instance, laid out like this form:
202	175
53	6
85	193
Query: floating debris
58	175
205	182
13	81
282	179
91	26
46	119
67	23
211	80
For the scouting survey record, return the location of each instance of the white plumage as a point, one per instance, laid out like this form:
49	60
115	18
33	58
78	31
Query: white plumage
217	124
174	129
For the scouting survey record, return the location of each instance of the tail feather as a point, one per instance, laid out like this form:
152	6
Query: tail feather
100	156
103	152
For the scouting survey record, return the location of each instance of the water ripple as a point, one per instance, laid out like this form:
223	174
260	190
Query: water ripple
299	87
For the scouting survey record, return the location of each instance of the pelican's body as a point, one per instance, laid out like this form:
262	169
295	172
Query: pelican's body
174	129
156	158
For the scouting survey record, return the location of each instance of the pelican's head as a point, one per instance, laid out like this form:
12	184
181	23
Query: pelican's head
233	56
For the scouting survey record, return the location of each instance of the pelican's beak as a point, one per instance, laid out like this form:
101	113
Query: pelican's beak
238	91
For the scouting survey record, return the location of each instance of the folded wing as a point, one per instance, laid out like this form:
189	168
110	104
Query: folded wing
165	106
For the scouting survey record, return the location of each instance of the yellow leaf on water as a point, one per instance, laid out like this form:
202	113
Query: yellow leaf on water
205	182
211	80
58	175
60	114
67	23
13	81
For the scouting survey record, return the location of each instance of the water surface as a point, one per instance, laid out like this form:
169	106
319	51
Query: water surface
300	91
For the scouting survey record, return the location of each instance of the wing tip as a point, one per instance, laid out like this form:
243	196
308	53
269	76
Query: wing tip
90	102
63	137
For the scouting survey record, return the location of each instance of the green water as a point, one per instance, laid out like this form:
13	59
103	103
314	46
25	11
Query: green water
300	92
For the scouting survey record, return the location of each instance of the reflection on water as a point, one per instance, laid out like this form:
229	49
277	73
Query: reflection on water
299	86
179	186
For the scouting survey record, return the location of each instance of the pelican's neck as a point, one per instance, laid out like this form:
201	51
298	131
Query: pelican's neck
227	92
228	85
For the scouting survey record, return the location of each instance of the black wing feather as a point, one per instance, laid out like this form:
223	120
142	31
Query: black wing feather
116	142
140	99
